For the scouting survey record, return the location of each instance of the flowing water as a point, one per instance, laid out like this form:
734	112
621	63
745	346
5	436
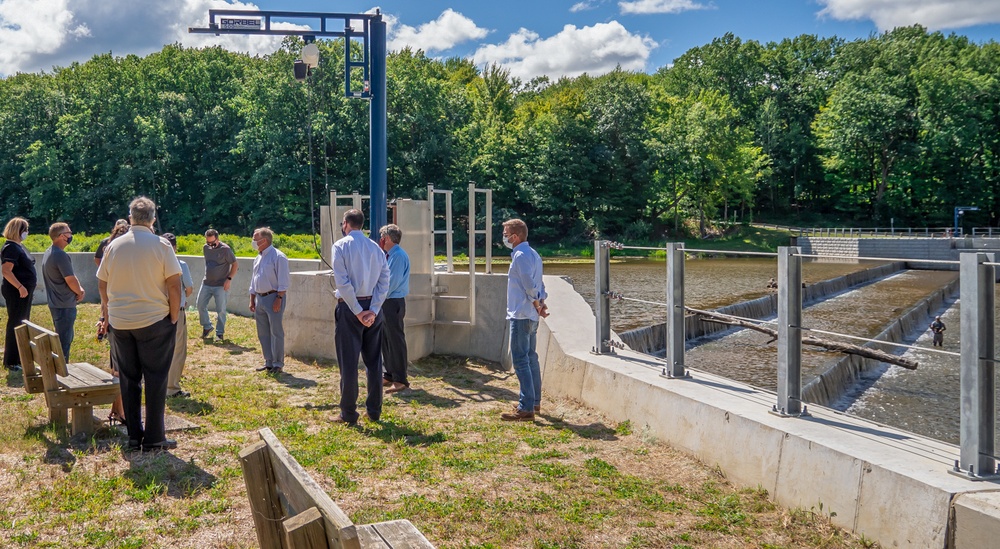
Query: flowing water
924	401
708	283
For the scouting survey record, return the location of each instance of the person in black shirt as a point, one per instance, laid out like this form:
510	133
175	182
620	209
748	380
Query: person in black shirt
120	228
19	280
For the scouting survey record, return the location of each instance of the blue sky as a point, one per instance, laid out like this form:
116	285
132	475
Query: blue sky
531	38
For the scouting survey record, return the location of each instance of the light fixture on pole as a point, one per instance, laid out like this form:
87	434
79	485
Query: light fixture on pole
960	210
310	55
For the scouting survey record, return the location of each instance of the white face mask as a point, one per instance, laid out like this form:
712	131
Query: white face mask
507	242
24	236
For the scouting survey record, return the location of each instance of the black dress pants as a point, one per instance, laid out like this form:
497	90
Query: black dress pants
18	310
354	339
143	355
394	340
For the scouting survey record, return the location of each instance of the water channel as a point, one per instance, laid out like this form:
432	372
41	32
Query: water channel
924	401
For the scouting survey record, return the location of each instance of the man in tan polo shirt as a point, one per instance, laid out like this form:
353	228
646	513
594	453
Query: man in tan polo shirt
140	284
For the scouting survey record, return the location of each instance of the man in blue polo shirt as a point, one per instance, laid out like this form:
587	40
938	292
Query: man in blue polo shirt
394	309
525	305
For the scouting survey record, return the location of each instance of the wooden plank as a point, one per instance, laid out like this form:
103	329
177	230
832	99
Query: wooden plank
32	377
83	420
58	360
264	504
402	534
305	530
370	538
302	492
42	355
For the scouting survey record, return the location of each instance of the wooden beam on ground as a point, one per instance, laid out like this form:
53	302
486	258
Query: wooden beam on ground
867	352
264	504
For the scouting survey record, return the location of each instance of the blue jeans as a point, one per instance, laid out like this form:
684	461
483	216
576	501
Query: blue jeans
63	319
220	295
525	359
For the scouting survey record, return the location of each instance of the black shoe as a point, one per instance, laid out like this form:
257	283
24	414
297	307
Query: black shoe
206	332
167	444
133	446
340	419
182	393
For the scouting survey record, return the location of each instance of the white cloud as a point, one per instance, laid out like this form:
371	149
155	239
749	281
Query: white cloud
448	30
933	14
573	51
582	6
660	6
37	35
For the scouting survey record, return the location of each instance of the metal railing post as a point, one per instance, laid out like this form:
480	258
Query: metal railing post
675	310
976	436
602	301
472	253
789	332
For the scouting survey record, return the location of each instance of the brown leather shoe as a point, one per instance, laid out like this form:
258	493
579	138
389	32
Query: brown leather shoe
518	415
386	382
538	409
340	419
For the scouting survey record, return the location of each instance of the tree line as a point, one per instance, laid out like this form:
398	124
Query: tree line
900	126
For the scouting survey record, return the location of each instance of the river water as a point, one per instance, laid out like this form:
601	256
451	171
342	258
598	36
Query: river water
924	401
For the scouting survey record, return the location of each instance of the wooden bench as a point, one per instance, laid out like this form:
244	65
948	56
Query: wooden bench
291	511
78	386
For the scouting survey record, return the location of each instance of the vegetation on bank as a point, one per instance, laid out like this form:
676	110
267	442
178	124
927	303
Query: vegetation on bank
303	246
440	457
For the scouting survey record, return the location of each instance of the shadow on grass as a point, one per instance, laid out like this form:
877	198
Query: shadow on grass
469	381
289	380
189	405
178	478
590	431
230	347
391	432
59	445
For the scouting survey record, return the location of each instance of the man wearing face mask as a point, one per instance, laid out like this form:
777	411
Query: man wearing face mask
361	274
525	305
268	286
61	286
220	268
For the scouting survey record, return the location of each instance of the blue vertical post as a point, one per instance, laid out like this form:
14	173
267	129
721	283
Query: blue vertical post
379	147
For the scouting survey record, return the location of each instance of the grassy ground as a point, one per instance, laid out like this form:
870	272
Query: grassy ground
440	457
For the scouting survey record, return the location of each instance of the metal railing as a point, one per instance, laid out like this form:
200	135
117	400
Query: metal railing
977	357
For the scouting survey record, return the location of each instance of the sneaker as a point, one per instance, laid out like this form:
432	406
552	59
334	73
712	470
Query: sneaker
182	393
14	367
518	415
206	332
220	337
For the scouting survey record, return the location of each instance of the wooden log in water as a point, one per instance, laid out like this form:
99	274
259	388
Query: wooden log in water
867	352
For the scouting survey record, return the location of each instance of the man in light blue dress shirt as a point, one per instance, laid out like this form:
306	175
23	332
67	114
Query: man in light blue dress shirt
361	274
525	305
393	337
268	286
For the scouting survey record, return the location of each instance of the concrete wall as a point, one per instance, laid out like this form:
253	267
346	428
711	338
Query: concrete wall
890	485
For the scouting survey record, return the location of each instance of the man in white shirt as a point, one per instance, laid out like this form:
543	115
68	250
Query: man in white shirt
361	274
140	284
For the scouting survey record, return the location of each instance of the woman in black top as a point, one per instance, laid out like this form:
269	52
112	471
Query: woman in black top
18	285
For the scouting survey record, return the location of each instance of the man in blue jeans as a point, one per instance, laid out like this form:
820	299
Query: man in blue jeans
220	268
525	305
61	286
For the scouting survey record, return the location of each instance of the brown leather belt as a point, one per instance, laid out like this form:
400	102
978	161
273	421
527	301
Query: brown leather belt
360	297
265	294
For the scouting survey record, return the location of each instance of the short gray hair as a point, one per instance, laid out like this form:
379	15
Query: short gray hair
143	211
392	231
